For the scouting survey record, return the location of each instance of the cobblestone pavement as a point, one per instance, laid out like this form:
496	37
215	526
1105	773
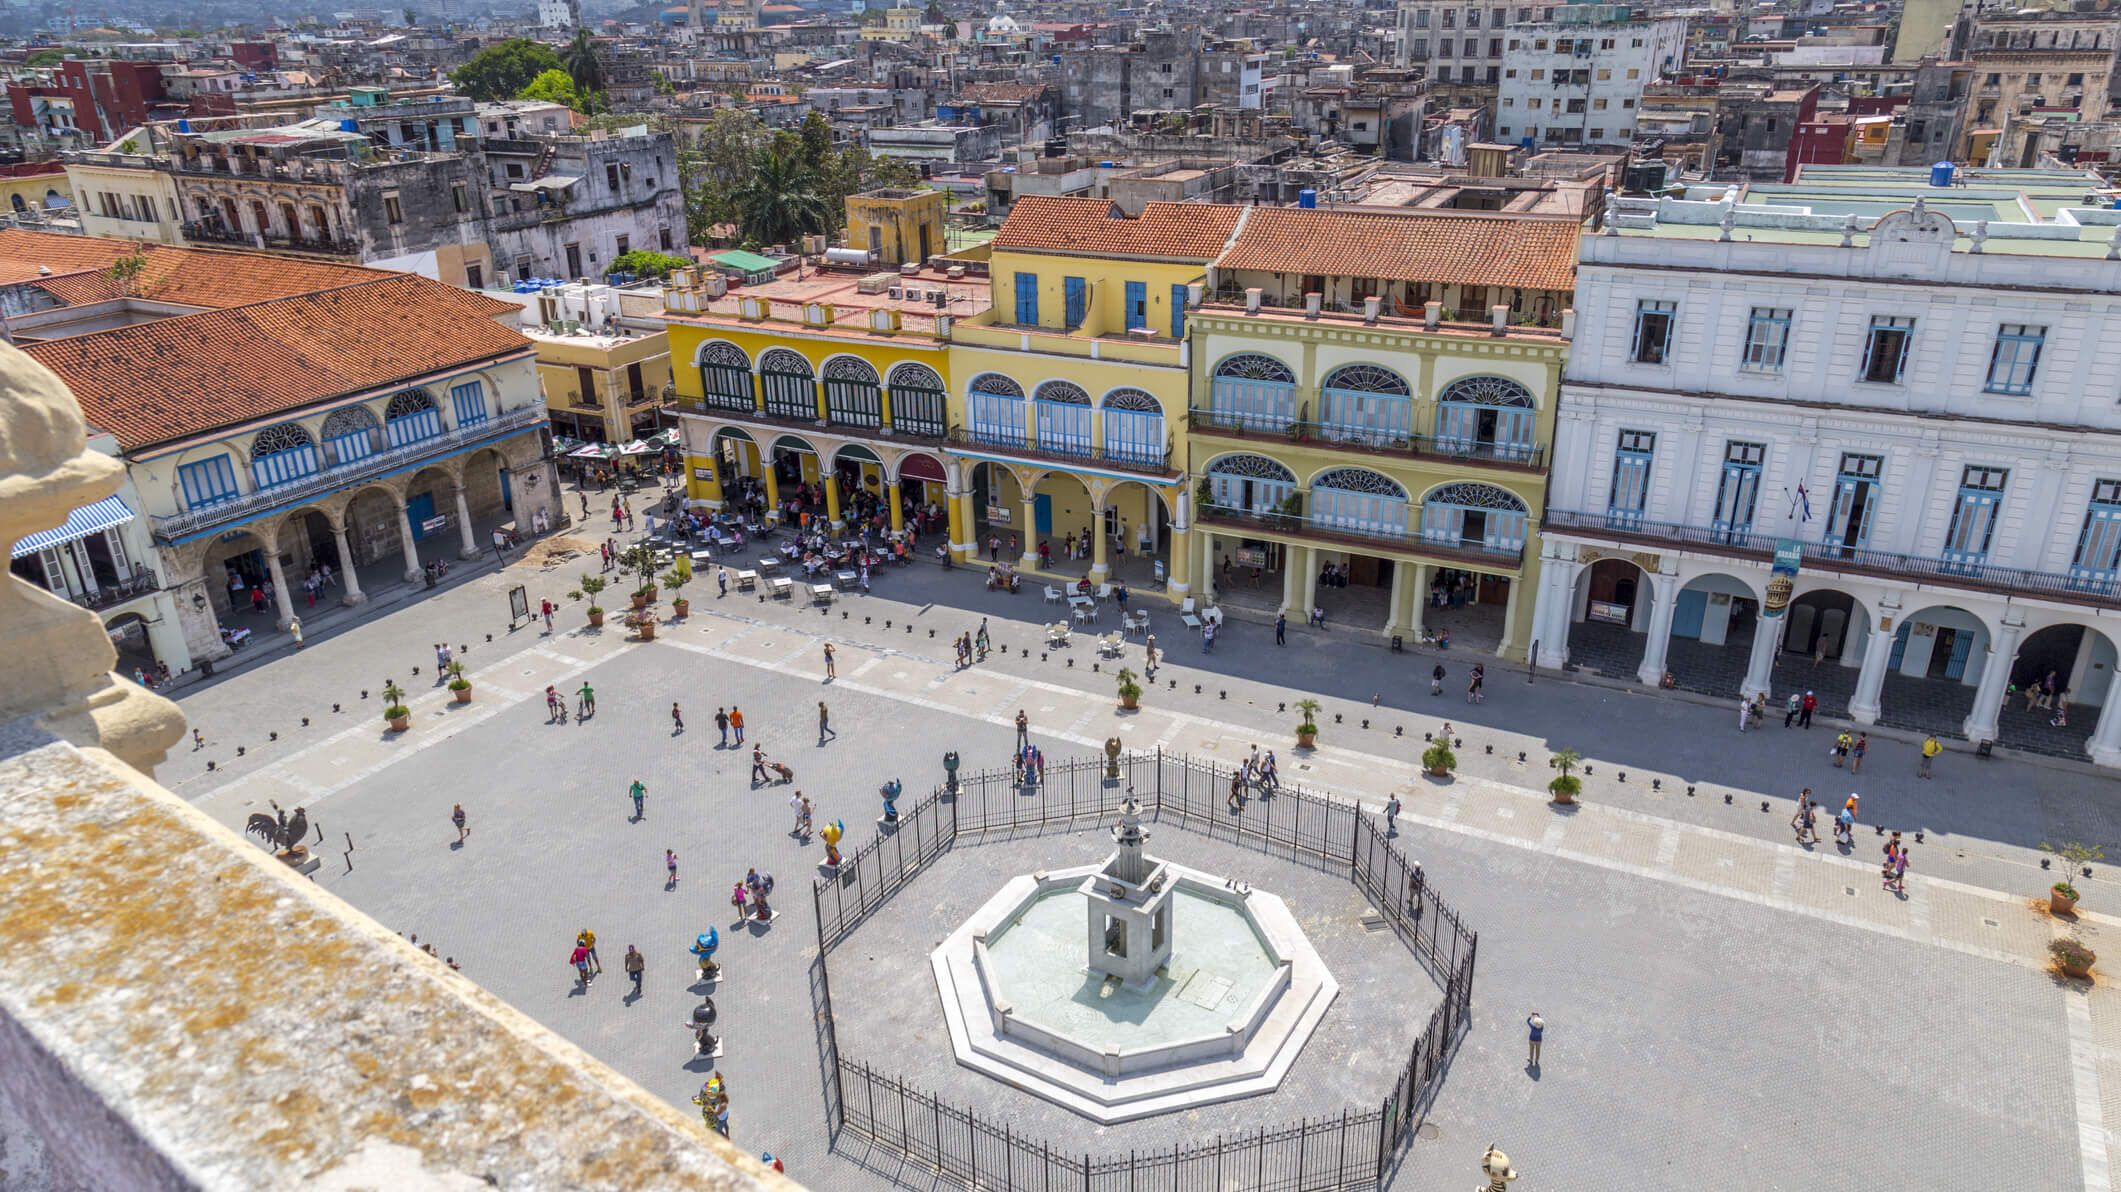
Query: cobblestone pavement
1711	985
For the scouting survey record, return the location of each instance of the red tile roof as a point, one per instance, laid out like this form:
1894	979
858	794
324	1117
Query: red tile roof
70	268
1468	248
1095	227
155	382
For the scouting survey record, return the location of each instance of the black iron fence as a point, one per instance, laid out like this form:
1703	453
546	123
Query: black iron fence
1351	1151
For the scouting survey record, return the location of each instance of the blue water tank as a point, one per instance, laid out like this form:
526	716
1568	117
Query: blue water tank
2117	204
1941	174
1307	199
1106	165
1525	143
183	126
348	126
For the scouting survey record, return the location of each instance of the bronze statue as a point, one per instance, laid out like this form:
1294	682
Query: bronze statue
283	835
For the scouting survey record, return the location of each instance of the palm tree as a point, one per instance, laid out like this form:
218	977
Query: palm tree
781	201
583	66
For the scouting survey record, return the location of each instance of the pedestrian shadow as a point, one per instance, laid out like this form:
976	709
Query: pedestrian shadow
455	845
1564	809
701	1063
632	996
670	885
1532	1070
579	990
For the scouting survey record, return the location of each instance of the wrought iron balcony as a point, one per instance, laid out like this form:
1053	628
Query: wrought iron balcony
210	233
140	583
168	530
1032	449
1309	432
1309	529
905	424
2104	591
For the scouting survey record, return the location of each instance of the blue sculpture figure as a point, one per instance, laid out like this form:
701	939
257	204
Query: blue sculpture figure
890	791
704	947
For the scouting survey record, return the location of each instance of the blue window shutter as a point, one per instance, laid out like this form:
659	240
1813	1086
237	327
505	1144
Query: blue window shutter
1137	304
1076	294
1027	298
1178	312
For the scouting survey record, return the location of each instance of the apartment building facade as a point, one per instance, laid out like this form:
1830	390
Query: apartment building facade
1576	78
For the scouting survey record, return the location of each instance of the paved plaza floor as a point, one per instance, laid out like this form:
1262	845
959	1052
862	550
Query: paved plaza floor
1716	994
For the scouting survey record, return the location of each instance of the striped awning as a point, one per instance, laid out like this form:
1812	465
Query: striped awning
108	512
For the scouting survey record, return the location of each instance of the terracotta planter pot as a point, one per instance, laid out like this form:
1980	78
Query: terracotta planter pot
2060	903
651	594
399	724
1130	702
1439	772
2079	971
681	606
647	631
1564	797
1306	740
463	694
596	619
640	602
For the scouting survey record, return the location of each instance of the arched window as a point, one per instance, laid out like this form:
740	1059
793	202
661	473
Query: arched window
1252	392
995	407
281	455
351	433
789	384
1487	416
1477	517
1063	410
410	418
1134	428
725	377
1250	483
1361	500
1367	404
853	395
919	404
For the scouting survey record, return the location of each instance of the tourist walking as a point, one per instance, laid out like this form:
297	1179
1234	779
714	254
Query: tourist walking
634	964
586	700
1436	680
721	722
639	793
579	958
824	723
1023	729
456	816
1801	823
1745	713
587	939
1930	750
1861	747
736	722
670	862
758	766
1149	657
831	671
1804	715
1281	629
677	718
1474	695
545	611
1391	816
1842	743
1538	1028
1790	709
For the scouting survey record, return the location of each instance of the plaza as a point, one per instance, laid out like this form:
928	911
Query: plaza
1711	989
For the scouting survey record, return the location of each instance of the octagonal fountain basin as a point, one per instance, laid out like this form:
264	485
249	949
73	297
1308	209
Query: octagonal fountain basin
1223	1016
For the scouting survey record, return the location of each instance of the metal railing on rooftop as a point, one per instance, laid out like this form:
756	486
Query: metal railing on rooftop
1318	529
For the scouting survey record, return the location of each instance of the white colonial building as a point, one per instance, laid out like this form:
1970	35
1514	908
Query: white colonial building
1929	412
1574	79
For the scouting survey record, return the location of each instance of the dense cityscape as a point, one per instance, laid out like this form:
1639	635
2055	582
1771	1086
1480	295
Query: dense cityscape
1378	581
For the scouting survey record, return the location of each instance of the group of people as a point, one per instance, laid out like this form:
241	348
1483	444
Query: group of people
749	897
1476	682
968	645
1257	773
2049	693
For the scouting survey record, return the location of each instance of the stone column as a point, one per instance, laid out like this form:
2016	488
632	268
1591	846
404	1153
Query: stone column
279	586
1295	563
1418	600
830	480
1510	646
412	550
471	543
891	498
1395	604
1664	601
707	490
1760	665
2105	745
773	487
1028	533
1180	577
1100	567
1864	706
1310	580
1207	564
354	595
1995	676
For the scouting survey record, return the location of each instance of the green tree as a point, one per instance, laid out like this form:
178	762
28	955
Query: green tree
643	262
502	71
411	18
583	65
781	202
816	138
45	58
719	161
553	87
934	15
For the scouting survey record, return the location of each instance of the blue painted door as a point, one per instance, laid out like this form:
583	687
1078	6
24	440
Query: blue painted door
1899	648
1687	614
1042	515
1962	647
507	497
418	510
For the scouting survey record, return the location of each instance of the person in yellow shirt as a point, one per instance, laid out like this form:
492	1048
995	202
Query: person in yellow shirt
588	939
1930	749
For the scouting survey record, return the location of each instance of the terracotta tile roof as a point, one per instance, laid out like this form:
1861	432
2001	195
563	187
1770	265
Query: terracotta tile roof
155	382
1451	247
1095	227
185	276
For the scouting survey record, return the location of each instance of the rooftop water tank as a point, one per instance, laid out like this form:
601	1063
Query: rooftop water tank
1941	174
1107	165
1307	199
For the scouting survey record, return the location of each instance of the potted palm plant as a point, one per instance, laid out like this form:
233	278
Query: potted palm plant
2072	957
394	709
1565	785
1439	760
675	579
1130	691
2062	896
591	585
1307	732
458	684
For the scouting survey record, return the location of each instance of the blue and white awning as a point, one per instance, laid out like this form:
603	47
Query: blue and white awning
108	512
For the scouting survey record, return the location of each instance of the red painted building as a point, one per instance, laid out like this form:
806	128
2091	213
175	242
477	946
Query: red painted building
106	97
255	55
1820	140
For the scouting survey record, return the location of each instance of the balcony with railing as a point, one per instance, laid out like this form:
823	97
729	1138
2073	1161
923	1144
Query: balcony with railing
171	529
1347	532
203	232
142	582
1303	430
1068	449
2088	588
915	415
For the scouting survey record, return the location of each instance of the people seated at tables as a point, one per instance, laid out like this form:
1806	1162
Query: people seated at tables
1082	586
1001	577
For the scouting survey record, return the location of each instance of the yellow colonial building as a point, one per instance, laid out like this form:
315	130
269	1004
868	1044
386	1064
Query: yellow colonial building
1373	409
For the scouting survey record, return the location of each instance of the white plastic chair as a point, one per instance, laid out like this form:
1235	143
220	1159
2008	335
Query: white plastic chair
1053	595
1104	591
